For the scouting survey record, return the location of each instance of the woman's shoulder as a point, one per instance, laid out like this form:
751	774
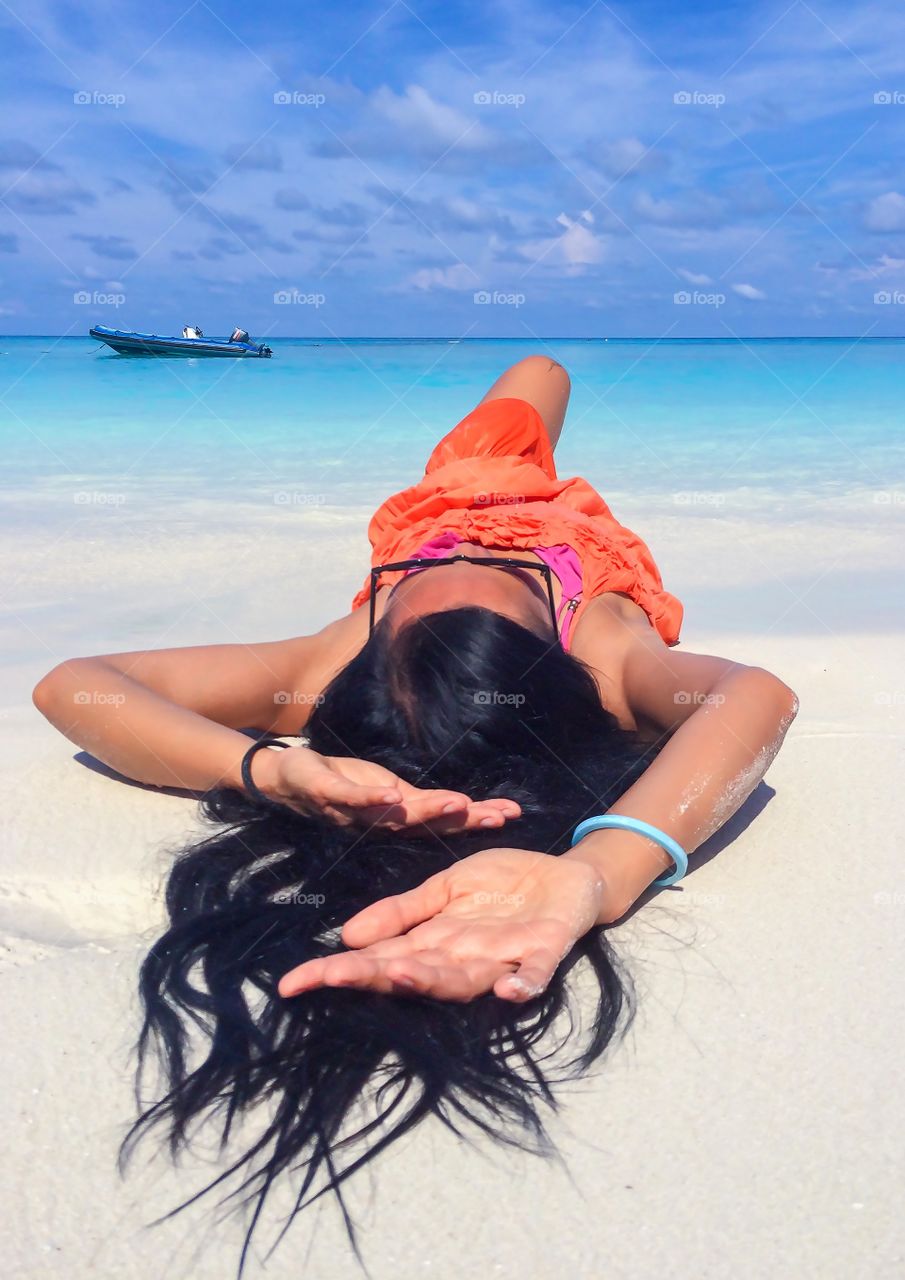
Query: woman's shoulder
336	645
605	631
609	611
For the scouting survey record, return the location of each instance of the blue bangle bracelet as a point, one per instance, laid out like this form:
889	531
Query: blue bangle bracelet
672	847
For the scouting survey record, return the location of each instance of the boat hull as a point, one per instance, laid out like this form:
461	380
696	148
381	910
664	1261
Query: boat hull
149	344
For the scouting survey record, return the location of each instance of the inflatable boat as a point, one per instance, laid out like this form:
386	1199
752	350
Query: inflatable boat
192	343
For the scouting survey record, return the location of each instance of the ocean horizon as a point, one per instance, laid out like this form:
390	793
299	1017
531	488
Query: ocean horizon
339	339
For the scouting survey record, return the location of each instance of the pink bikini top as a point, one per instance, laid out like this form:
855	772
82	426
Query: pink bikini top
562	559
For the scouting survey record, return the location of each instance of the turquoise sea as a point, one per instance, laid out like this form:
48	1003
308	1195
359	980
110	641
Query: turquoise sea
339	423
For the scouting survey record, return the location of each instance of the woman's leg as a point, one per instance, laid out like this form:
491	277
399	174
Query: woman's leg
543	383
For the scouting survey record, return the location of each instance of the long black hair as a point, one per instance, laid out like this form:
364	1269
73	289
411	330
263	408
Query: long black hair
463	699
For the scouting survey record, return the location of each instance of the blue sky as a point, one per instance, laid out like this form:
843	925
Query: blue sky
413	168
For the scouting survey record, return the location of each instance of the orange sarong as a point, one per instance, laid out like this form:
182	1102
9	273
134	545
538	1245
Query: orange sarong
492	480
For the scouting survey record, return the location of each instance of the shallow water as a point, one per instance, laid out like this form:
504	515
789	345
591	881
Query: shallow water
709	425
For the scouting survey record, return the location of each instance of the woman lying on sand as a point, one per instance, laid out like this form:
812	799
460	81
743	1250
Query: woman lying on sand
504	750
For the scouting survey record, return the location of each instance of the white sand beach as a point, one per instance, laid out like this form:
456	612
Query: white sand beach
750	1125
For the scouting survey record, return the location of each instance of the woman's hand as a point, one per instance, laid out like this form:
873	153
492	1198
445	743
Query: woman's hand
500	920
351	791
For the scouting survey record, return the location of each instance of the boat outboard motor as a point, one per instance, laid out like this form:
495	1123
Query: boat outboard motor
192	331
239	335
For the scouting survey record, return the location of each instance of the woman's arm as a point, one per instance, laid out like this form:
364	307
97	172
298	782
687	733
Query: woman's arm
170	717
724	723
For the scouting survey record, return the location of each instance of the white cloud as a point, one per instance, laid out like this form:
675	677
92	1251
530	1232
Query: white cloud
581	247
625	157
886	213
468	212
418	111
50	193
653	210
749	291
575	249
885	265
693	277
458	276
698	210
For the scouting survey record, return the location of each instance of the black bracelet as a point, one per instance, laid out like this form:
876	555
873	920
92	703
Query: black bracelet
251	787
